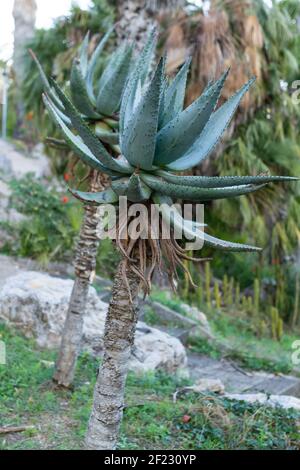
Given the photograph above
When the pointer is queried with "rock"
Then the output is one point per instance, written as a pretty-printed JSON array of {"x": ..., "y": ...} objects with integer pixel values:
[
  {"x": 209, "y": 385},
  {"x": 11, "y": 266},
  {"x": 202, "y": 386},
  {"x": 37, "y": 303},
  {"x": 203, "y": 327},
  {"x": 283, "y": 401},
  {"x": 20, "y": 165},
  {"x": 5, "y": 165},
  {"x": 169, "y": 315},
  {"x": 155, "y": 349},
  {"x": 196, "y": 314}
]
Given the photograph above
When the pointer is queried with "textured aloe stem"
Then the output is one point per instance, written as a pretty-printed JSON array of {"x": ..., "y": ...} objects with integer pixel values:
[
  {"x": 85, "y": 263},
  {"x": 119, "y": 334}
]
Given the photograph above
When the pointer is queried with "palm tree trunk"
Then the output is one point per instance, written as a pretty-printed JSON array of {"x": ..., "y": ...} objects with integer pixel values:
[
  {"x": 119, "y": 334},
  {"x": 137, "y": 18},
  {"x": 24, "y": 13},
  {"x": 85, "y": 264}
]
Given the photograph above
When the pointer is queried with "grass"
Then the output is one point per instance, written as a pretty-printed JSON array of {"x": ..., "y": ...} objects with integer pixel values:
[
  {"x": 251, "y": 351},
  {"x": 151, "y": 419},
  {"x": 236, "y": 330}
]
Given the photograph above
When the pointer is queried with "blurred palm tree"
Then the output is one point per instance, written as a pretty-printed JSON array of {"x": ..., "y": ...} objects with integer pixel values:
[
  {"x": 24, "y": 13},
  {"x": 137, "y": 17}
]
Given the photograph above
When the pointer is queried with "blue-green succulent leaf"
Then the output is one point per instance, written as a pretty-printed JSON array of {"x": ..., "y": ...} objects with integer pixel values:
[
  {"x": 137, "y": 79},
  {"x": 63, "y": 116},
  {"x": 179, "y": 135},
  {"x": 222, "y": 181},
  {"x": 75, "y": 142},
  {"x": 115, "y": 59},
  {"x": 104, "y": 197},
  {"x": 174, "y": 96},
  {"x": 190, "y": 231},
  {"x": 120, "y": 185},
  {"x": 162, "y": 101},
  {"x": 92, "y": 65},
  {"x": 112, "y": 83},
  {"x": 134, "y": 188},
  {"x": 137, "y": 190},
  {"x": 46, "y": 85},
  {"x": 228, "y": 246},
  {"x": 196, "y": 194},
  {"x": 79, "y": 93},
  {"x": 108, "y": 137},
  {"x": 138, "y": 142},
  {"x": 83, "y": 54},
  {"x": 190, "y": 224},
  {"x": 212, "y": 132},
  {"x": 89, "y": 138}
]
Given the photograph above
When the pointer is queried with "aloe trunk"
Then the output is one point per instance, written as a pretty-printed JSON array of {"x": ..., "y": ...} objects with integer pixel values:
[
  {"x": 85, "y": 263},
  {"x": 119, "y": 334}
]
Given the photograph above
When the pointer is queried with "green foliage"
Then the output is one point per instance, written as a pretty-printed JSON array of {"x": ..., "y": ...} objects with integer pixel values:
[
  {"x": 207, "y": 285},
  {"x": 144, "y": 145},
  {"x": 276, "y": 324},
  {"x": 199, "y": 292},
  {"x": 52, "y": 220},
  {"x": 268, "y": 141},
  {"x": 108, "y": 259},
  {"x": 151, "y": 419},
  {"x": 217, "y": 296},
  {"x": 237, "y": 295},
  {"x": 249, "y": 344}
]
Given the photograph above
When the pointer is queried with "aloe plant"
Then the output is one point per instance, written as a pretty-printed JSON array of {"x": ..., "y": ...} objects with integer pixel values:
[
  {"x": 98, "y": 101},
  {"x": 157, "y": 137}
]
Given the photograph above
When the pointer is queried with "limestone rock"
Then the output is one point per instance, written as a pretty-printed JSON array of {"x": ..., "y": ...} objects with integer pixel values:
[
  {"x": 209, "y": 385},
  {"x": 202, "y": 386},
  {"x": 283, "y": 401},
  {"x": 200, "y": 318},
  {"x": 37, "y": 303},
  {"x": 17, "y": 165}
]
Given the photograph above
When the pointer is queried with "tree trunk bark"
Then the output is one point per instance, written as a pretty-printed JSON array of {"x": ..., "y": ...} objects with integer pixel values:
[
  {"x": 136, "y": 18},
  {"x": 24, "y": 13},
  {"x": 85, "y": 264},
  {"x": 119, "y": 334}
]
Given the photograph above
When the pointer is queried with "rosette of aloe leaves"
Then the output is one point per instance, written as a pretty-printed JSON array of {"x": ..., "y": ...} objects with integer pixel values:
[
  {"x": 95, "y": 93},
  {"x": 158, "y": 138}
]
